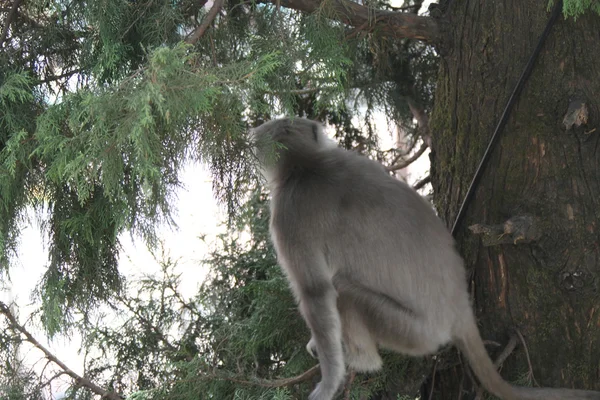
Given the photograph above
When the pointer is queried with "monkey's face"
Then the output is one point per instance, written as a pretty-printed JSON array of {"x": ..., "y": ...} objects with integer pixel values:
[
  {"x": 288, "y": 142},
  {"x": 264, "y": 146}
]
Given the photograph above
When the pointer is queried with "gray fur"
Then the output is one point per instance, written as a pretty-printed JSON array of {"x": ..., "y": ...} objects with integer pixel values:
[{"x": 369, "y": 262}]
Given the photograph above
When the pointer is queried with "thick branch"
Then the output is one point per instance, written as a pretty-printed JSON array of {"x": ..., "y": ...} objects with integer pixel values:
[
  {"x": 9, "y": 18},
  {"x": 80, "y": 380},
  {"x": 210, "y": 17},
  {"x": 389, "y": 23}
]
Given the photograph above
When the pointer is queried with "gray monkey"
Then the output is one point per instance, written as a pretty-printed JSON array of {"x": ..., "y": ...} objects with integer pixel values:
[{"x": 369, "y": 262}]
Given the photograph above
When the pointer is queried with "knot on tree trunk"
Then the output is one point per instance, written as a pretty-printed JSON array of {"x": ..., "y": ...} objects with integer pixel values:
[{"x": 515, "y": 230}]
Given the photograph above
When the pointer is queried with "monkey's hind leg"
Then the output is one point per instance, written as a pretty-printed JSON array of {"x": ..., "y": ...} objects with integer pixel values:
[
  {"x": 321, "y": 315},
  {"x": 391, "y": 323},
  {"x": 360, "y": 348}
]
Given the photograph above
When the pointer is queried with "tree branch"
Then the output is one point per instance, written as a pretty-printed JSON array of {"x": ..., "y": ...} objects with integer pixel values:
[
  {"x": 53, "y": 78},
  {"x": 389, "y": 23},
  {"x": 405, "y": 163},
  {"x": 9, "y": 18},
  {"x": 210, "y": 17},
  {"x": 308, "y": 374},
  {"x": 422, "y": 182},
  {"x": 80, "y": 380}
]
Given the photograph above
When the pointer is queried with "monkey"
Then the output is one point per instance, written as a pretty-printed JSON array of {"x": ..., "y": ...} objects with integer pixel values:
[{"x": 370, "y": 263}]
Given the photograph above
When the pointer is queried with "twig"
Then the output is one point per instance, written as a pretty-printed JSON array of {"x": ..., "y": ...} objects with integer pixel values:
[
  {"x": 210, "y": 16},
  {"x": 410, "y": 160},
  {"x": 297, "y": 91},
  {"x": 148, "y": 324},
  {"x": 522, "y": 339},
  {"x": 462, "y": 378},
  {"x": 80, "y": 380},
  {"x": 9, "y": 19},
  {"x": 349, "y": 384},
  {"x": 422, "y": 182},
  {"x": 433, "y": 379},
  {"x": 508, "y": 349}
]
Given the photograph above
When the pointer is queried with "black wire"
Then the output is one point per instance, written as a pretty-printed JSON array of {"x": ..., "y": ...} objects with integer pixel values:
[{"x": 509, "y": 105}]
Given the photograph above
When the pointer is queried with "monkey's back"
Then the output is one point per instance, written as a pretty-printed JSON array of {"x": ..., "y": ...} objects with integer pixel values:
[{"x": 374, "y": 227}]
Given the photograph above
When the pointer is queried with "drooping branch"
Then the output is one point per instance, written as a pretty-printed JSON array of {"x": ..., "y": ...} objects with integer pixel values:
[
  {"x": 389, "y": 23},
  {"x": 80, "y": 380},
  {"x": 208, "y": 19}
]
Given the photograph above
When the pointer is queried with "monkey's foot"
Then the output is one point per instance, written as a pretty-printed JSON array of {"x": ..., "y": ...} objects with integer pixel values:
[
  {"x": 322, "y": 392},
  {"x": 364, "y": 361}
]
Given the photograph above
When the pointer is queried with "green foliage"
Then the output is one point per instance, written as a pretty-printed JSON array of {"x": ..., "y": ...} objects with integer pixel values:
[
  {"x": 576, "y": 8},
  {"x": 103, "y": 102},
  {"x": 17, "y": 107}
]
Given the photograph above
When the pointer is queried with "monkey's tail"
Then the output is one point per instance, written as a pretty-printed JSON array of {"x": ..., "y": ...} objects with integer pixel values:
[{"x": 471, "y": 344}]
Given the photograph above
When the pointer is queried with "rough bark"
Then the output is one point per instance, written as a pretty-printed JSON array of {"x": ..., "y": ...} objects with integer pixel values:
[{"x": 547, "y": 288}]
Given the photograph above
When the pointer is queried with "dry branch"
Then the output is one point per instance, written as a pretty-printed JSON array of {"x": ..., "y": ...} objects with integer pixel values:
[
  {"x": 79, "y": 380},
  {"x": 389, "y": 23}
]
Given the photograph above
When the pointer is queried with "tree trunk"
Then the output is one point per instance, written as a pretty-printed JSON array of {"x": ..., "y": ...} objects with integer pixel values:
[{"x": 547, "y": 288}]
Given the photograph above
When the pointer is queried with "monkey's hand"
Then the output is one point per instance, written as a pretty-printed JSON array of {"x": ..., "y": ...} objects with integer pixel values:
[{"x": 311, "y": 347}]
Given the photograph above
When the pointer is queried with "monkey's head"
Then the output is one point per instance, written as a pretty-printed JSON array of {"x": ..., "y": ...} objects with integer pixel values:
[{"x": 286, "y": 142}]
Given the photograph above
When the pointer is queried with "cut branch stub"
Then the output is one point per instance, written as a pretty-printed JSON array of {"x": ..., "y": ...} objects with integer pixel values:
[
  {"x": 516, "y": 230},
  {"x": 576, "y": 115}
]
